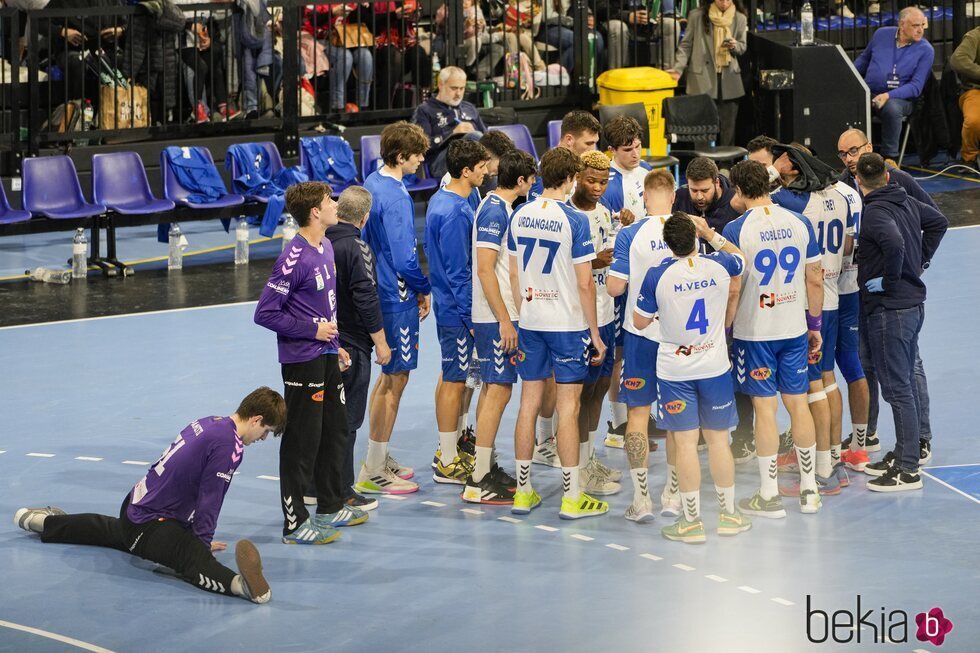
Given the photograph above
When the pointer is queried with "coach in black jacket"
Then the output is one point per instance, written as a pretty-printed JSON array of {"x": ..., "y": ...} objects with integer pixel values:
[
  {"x": 358, "y": 316},
  {"x": 896, "y": 241}
]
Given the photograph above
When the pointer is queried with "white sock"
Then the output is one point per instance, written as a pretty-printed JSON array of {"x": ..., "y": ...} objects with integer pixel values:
[
  {"x": 591, "y": 443},
  {"x": 618, "y": 413},
  {"x": 482, "y": 467},
  {"x": 570, "y": 482},
  {"x": 238, "y": 587},
  {"x": 726, "y": 498},
  {"x": 824, "y": 466},
  {"x": 543, "y": 429},
  {"x": 641, "y": 490},
  {"x": 447, "y": 446},
  {"x": 671, "y": 486},
  {"x": 377, "y": 453},
  {"x": 692, "y": 505},
  {"x": 806, "y": 456},
  {"x": 859, "y": 436},
  {"x": 834, "y": 455},
  {"x": 523, "y": 475},
  {"x": 583, "y": 454},
  {"x": 767, "y": 474}
]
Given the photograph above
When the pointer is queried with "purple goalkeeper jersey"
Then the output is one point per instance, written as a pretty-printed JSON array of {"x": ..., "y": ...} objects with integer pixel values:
[
  {"x": 189, "y": 481},
  {"x": 301, "y": 292}
]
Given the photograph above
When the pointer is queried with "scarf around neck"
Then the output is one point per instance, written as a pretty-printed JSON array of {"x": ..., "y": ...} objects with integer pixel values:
[{"x": 721, "y": 22}]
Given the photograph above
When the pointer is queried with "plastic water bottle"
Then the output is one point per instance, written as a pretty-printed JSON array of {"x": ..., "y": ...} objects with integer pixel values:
[
  {"x": 88, "y": 115},
  {"x": 473, "y": 378},
  {"x": 289, "y": 229},
  {"x": 241, "y": 243},
  {"x": 49, "y": 275},
  {"x": 79, "y": 255},
  {"x": 592, "y": 58},
  {"x": 436, "y": 68},
  {"x": 175, "y": 256},
  {"x": 806, "y": 24}
]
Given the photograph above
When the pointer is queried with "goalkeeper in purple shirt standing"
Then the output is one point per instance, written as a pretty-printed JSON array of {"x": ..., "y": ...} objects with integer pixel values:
[{"x": 169, "y": 516}]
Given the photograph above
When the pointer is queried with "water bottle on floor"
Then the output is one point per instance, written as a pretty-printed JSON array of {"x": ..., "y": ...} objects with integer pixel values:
[
  {"x": 79, "y": 255},
  {"x": 289, "y": 229},
  {"x": 241, "y": 242},
  {"x": 175, "y": 256},
  {"x": 806, "y": 24},
  {"x": 48, "y": 275}
]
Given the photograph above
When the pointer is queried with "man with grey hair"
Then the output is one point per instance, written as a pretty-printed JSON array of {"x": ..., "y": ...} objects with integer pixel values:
[
  {"x": 446, "y": 117},
  {"x": 358, "y": 318},
  {"x": 896, "y": 65}
]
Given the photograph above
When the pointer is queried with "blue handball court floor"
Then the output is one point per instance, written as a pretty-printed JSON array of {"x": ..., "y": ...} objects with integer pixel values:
[{"x": 86, "y": 405}]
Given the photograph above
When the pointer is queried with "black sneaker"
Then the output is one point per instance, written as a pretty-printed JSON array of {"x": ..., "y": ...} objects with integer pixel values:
[
  {"x": 895, "y": 480},
  {"x": 743, "y": 451},
  {"x": 925, "y": 451},
  {"x": 491, "y": 489},
  {"x": 467, "y": 442},
  {"x": 615, "y": 430},
  {"x": 505, "y": 479},
  {"x": 881, "y": 467},
  {"x": 362, "y": 502},
  {"x": 871, "y": 442}
]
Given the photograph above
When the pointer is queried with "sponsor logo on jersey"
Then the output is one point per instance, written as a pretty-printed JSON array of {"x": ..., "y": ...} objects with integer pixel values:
[
  {"x": 197, "y": 428},
  {"x": 281, "y": 287},
  {"x": 541, "y": 295},
  {"x": 761, "y": 373},
  {"x": 224, "y": 476},
  {"x": 314, "y": 385},
  {"x": 634, "y": 383},
  {"x": 294, "y": 384},
  {"x": 722, "y": 407},
  {"x": 520, "y": 355},
  {"x": 687, "y": 350},
  {"x": 769, "y": 300},
  {"x": 675, "y": 407},
  {"x": 317, "y": 396}
]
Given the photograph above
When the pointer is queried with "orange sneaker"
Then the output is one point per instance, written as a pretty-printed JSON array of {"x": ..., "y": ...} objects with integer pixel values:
[{"x": 855, "y": 459}]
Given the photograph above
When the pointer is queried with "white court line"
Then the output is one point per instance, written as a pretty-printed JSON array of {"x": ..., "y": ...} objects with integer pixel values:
[
  {"x": 471, "y": 511},
  {"x": 56, "y": 637},
  {"x": 650, "y": 556},
  {"x": 434, "y": 504},
  {"x": 920, "y": 650},
  {"x": 750, "y": 590},
  {"x": 781, "y": 601},
  {"x": 112, "y": 317},
  {"x": 549, "y": 529},
  {"x": 957, "y": 491},
  {"x": 683, "y": 567},
  {"x": 949, "y": 466},
  {"x": 3, "y": 451},
  {"x": 509, "y": 520},
  {"x": 88, "y": 458},
  {"x": 268, "y": 478},
  {"x": 135, "y": 462},
  {"x": 617, "y": 547},
  {"x": 584, "y": 538},
  {"x": 717, "y": 579},
  {"x": 965, "y": 226},
  {"x": 41, "y": 455},
  {"x": 394, "y": 497}
]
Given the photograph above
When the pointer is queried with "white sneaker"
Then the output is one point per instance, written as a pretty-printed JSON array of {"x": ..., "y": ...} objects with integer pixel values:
[
  {"x": 670, "y": 504},
  {"x": 613, "y": 474},
  {"x": 845, "y": 11},
  {"x": 596, "y": 482},
  {"x": 615, "y": 441},
  {"x": 382, "y": 481},
  {"x": 809, "y": 502},
  {"x": 874, "y": 7},
  {"x": 546, "y": 453},
  {"x": 399, "y": 470},
  {"x": 640, "y": 511}
]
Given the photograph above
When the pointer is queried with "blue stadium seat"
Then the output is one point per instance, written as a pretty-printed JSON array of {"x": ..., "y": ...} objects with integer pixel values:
[
  {"x": 521, "y": 136},
  {"x": 554, "y": 133},
  {"x": 119, "y": 181},
  {"x": 275, "y": 165},
  {"x": 51, "y": 189},
  {"x": 173, "y": 190},
  {"x": 8, "y": 214},
  {"x": 371, "y": 161}
]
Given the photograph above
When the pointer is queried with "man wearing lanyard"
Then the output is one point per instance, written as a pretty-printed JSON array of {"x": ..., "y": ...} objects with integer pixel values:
[{"x": 896, "y": 65}]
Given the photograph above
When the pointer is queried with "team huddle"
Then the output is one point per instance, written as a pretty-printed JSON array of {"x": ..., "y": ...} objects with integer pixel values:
[{"x": 578, "y": 276}]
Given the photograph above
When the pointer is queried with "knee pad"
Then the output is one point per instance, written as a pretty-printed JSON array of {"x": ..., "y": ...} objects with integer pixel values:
[
  {"x": 850, "y": 366},
  {"x": 829, "y": 388},
  {"x": 814, "y": 397}
]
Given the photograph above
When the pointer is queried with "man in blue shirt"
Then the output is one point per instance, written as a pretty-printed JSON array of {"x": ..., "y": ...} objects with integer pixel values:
[
  {"x": 170, "y": 515},
  {"x": 446, "y": 117},
  {"x": 448, "y": 235},
  {"x": 896, "y": 64}
]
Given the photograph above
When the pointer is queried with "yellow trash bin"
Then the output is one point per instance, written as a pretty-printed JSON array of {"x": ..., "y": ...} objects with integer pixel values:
[{"x": 643, "y": 84}]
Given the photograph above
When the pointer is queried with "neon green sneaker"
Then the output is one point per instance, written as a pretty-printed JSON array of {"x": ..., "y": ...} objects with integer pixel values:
[
  {"x": 525, "y": 502},
  {"x": 584, "y": 506},
  {"x": 688, "y": 532},
  {"x": 733, "y": 523}
]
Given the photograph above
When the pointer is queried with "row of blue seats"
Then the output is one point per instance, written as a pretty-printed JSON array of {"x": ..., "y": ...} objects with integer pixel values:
[
  {"x": 870, "y": 20},
  {"x": 51, "y": 188}
]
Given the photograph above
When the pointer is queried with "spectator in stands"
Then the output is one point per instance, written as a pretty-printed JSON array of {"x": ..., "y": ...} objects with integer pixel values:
[
  {"x": 966, "y": 63},
  {"x": 895, "y": 65},
  {"x": 348, "y": 43},
  {"x": 482, "y": 55},
  {"x": 447, "y": 116},
  {"x": 558, "y": 26},
  {"x": 522, "y": 20},
  {"x": 257, "y": 59},
  {"x": 399, "y": 57},
  {"x": 715, "y": 37},
  {"x": 760, "y": 149},
  {"x": 204, "y": 56},
  {"x": 630, "y": 22}
]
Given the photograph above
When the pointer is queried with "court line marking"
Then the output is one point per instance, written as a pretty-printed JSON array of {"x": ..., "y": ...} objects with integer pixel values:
[
  {"x": 268, "y": 478},
  {"x": 55, "y": 636},
  {"x": 750, "y": 590},
  {"x": 781, "y": 601},
  {"x": 135, "y": 462},
  {"x": 509, "y": 520},
  {"x": 956, "y": 490},
  {"x": 112, "y": 317},
  {"x": 584, "y": 538},
  {"x": 683, "y": 567},
  {"x": 41, "y": 455},
  {"x": 394, "y": 497},
  {"x": 617, "y": 547},
  {"x": 549, "y": 529},
  {"x": 650, "y": 556},
  {"x": 434, "y": 504},
  {"x": 3, "y": 451},
  {"x": 951, "y": 466},
  {"x": 471, "y": 511},
  {"x": 89, "y": 458},
  {"x": 717, "y": 579},
  {"x": 964, "y": 226}
]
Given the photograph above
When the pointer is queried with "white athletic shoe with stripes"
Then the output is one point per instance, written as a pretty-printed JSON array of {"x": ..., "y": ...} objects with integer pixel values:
[
  {"x": 309, "y": 532},
  {"x": 382, "y": 481}
]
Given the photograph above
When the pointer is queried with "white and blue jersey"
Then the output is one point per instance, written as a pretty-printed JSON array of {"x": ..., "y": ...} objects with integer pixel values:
[
  {"x": 549, "y": 238},
  {"x": 848, "y": 281},
  {"x": 473, "y": 198},
  {"x": 625, "y": 189},
  {"x": 639, "y": 247},
  {"x": 830, "y": 216},
  {"x": 390, "y": 233}
]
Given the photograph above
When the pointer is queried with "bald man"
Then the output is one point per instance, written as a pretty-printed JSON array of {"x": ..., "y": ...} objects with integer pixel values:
[{"x": 896, "y": 64}]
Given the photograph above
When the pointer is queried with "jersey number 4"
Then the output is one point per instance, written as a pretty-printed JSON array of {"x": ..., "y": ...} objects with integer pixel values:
[
  {"x": 698, "y": 319},
  {"x": 529, "y": 244}
]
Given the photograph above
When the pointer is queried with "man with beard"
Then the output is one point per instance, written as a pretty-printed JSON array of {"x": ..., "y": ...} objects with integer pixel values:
[{"x": 447, "y": 116}]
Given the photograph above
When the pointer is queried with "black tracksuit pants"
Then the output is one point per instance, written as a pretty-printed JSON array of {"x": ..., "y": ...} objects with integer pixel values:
[
  {"x": 314, "y": 443},
  {"x": 166, "y": 543},
  {"x": 357, "y": 387}
]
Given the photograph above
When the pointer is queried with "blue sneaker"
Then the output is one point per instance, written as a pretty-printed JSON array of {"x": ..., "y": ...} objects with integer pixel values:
[
  {"x": 310, "y": 532},
  {"x": 346, "y": 516}
]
